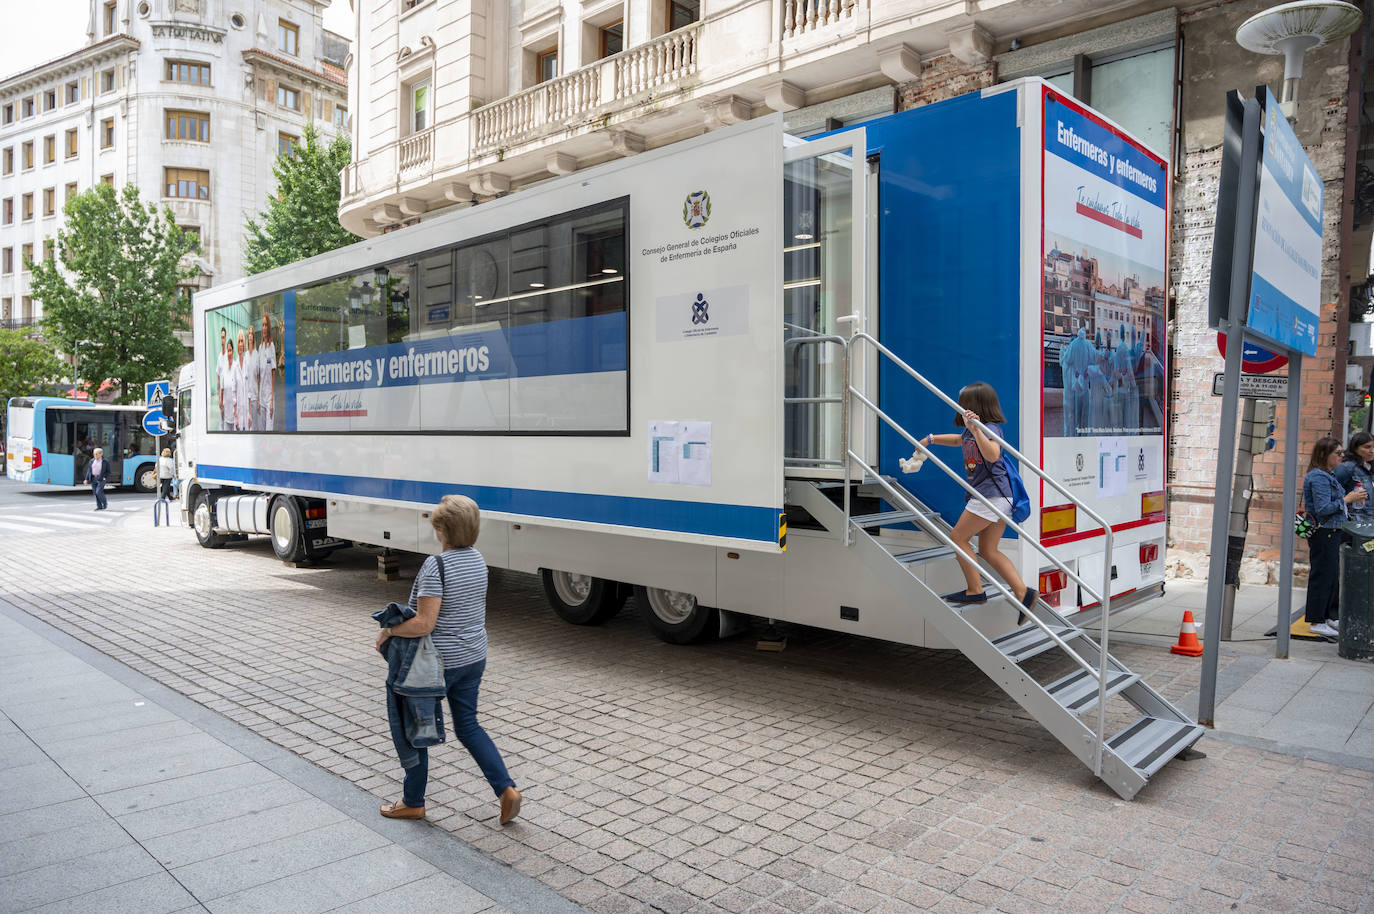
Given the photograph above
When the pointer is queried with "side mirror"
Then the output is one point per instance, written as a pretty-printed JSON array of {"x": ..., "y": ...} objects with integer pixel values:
[{"x": 169, "y": 413}]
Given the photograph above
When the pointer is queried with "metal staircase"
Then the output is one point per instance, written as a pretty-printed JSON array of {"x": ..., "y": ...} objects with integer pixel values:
[{"x": 1124, "y": 761}]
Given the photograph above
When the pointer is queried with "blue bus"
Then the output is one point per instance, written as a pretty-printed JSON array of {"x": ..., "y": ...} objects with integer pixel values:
[{"x": 49, "y": 440}]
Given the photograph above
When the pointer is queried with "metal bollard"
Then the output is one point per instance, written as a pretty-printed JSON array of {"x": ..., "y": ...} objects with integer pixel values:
[{"x": 166, "y": 508}]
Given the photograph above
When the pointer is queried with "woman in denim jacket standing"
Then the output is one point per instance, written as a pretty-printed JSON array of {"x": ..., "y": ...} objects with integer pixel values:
[
  {"x": 1358, "y": 470},
  {"x": 1327, "y": 503}
]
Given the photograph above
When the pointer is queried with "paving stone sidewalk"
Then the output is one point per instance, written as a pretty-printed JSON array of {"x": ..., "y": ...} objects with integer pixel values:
[
  {"x": 113, "y": 801},
  {"x": 841, "y": 775}
]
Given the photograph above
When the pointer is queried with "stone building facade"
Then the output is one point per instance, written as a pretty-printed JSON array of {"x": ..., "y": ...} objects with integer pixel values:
[
  {"x": 462, "y": 100},
  {"x": 191, "y": 100}
]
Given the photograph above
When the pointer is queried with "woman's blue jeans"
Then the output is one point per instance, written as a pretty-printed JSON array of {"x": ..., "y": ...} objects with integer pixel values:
[{"x": 462, "y": 683}]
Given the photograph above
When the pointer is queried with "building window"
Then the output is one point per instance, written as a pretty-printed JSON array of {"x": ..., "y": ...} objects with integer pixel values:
[
  {"x": 612, "y": 38},
  {"x": 289, "y": 98},
  {"x": 107, "y": 179},
  {"x": 193, "y": 232},
  {"x": 188, "y": 71},
  {"x": 49, "y": 99},
  {"x": 8, "y": 207},
  {"x": 26, "y": 257},
  {"x": 188, "y": 125},
  {"x": 340, "y": 116},
  {"x": 288, "y": 38},
  {"x": 27, "y": 154},
  {"x": 49, "y": 201},
  {"x": 73, "y": 92},
  {"x": 8, "y": 114},
  {"x": 682, "y": 13},
  {"x": 286, "y": 144},
  {"x": 546, "y": 65},
  {"x": 72, "y": 143},
  {"x": 71, "y": 191},
  {"x": 26, "y": 207},
  {"x": 49, "y": 149},
  {"x": 9, "y": 160},
  {"x": 421, "y": 104},
  {"x": 110, "y": 18},
  {"x": 193, "y": 183},
  {"x": 48, "y": 249},
  {"x": 107, "y": 80},
  {"x": 28, "y": 106},
  {"x": 7, "y": 266},
  {"x": 107, "y": 133},
  {"x": 28, "y": 308}
]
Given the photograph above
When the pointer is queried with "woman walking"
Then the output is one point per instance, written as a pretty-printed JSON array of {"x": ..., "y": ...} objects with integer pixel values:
[
  {"x": 449, "y": 597},
  {"x": 987, "y": 475},
  {"x": 1327, "y": 503},
  {"x": 1357, "y": 471}
]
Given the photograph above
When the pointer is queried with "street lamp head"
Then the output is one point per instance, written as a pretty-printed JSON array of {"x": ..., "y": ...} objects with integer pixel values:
[{"x": 1293, "y": 29}]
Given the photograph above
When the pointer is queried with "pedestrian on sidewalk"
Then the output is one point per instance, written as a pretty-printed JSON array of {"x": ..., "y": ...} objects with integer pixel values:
[
  {"x": 451, "y": 607},
  {"x": 166, "y": 471},
  {"x": 97, "y": 474},
  {"x": 1357, "y": 470},
  {"x": 1328, "y": 504},
  {"x": 985, "y": 472}
]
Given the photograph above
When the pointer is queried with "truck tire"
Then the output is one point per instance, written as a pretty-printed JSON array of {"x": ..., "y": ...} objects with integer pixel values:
[
  {"x": 287, "y": 527},
  {"x": 202, "y": 521},
  {"x": 145, "y": 478},
  {"x": 676, "y": 617},
  {"x": 580, "y": 598}
]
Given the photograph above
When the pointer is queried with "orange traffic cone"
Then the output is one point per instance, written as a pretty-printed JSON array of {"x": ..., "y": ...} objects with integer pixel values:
[{"x": 1188, "y": 645}]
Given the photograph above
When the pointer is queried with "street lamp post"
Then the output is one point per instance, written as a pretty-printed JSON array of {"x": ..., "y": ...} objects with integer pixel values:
[{"x": 76, "y": 361}]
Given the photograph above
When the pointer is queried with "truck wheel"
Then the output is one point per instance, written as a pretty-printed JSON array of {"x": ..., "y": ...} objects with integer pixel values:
[
  {"x": 288, "y": 529},
  {"x": 202, "y": 522},
  {"x": 145, "y": 479},
  {"x": 677, "y": 617},
  {"x": 580, "y": 598}
]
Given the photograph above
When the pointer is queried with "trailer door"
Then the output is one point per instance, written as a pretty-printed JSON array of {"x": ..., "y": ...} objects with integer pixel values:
[{"x": 823, "y": 245}]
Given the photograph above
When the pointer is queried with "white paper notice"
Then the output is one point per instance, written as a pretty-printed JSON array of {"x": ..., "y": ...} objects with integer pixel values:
[
  {"x": 695, "y": 441},
  {"x": 663, "y": 452},
  {"x": 1111, "y": 467}
]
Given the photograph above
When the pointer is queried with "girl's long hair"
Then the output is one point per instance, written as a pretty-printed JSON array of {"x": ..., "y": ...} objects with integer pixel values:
[
  {"x": 982, "y": 399},
  {"x": 1322, "y": 450},
  {"x": 1357, "y": 441}
]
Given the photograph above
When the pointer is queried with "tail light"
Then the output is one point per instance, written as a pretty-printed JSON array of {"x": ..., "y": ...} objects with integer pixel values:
[
  {"x": 1148, "y": 552},
  {"x": 1051, "y": 584},
  {"x": 37, "y": 459}
]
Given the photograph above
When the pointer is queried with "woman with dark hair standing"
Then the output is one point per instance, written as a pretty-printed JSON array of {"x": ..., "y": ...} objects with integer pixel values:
[
  {"x": 1327, "y": 503},
  {"x": 1358, "y": 471}
]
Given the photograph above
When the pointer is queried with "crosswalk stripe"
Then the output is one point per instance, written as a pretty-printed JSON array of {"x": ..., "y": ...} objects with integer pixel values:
[{"x": 65, "y": 522}]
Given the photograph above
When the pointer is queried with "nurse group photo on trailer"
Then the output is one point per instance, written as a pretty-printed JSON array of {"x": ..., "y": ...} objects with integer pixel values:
[{"x": 247, "y": 390}]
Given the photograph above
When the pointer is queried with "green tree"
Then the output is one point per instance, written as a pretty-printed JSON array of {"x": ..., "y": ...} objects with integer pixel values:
[
  {"x": 302, "y": 218},
  {"x": 113, "y": 288},
  {"x": 27, "y": 365}
]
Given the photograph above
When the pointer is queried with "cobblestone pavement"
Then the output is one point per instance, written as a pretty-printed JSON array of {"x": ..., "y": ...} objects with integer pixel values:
[{"x": 841, "y": 775}]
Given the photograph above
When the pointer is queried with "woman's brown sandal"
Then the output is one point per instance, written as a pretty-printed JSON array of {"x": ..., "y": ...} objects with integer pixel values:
[
  {"x": 399, "y": 810},
  {"x": 510, "y": 804}
]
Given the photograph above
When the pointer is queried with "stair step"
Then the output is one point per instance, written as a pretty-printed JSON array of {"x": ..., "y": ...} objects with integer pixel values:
[
  {"x": 1028, "y": 640},
  {"x": 1078, "y": 691},
  {"x": 1149, "y": 743},
  {"x": 928, "y": 554},
  {"x": 887, "y": 518}
]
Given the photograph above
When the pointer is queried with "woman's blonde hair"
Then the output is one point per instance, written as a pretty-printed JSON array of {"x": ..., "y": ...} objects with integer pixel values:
[
  {"x": 456, "y": 521},
  {"x": 166, "y": 452}
]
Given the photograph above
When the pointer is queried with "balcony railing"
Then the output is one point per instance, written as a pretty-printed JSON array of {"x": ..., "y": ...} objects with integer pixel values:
[
  {"x": 417, "y": 150},
  {"x": 802, "y": 16},
  {"x": 18, "y": 323},
  {"x": 553, "y": 104}
]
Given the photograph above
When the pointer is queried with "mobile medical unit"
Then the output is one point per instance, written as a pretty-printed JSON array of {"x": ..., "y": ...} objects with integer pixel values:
[{"x": 691, "y": 375}]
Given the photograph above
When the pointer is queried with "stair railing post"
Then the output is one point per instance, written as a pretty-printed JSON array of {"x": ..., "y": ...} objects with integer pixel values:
[
  {"x": 1102, "y": 653},
  {"x": 844, "y": 438}
]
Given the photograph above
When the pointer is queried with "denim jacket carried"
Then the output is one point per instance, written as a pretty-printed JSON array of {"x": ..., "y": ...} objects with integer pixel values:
[
  {"x": 415, "y": 688},
  {"x": 1324, "y": 498},
  {"x": 1348, "y": 474}
]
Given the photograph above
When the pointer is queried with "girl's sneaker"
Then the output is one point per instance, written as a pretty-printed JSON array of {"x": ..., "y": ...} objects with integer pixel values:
[{"x": 1323, "y": 629}]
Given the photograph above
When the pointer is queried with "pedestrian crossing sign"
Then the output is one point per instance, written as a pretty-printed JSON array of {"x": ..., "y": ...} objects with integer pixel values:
[{"x": 154, "y": 391}]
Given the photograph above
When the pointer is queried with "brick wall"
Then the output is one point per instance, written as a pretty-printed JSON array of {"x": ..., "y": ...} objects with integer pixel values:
[{"x": 944, "y": 77}]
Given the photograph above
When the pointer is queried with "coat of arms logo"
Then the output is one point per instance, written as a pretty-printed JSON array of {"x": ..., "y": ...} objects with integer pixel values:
[{"x": 696, "y": 209}]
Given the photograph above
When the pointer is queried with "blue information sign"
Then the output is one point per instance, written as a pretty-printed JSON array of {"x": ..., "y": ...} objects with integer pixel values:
[
  {"x": 1285, "y": 285},
  {"x": 152, "y": 422}
]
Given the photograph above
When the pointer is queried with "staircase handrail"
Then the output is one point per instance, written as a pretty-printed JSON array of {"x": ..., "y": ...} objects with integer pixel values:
[{"x": 1104, "y": 597}]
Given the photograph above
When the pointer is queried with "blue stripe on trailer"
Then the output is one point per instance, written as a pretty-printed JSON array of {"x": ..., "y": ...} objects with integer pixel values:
[{"x": 745, "y": 522}]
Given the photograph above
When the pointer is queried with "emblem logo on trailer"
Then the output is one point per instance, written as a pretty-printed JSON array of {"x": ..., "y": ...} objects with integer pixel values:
[
  {"x": 699, "y": 315},
  {"x": 696, "y": 209},
  {"x": 1078, "y": 462}
]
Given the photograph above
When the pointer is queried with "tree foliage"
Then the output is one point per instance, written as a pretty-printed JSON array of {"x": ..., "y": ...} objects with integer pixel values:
[
  {"x": 112, "y": 289},
  {"x": 27, "y": 365},
  {"x": 302, "y": 218}
]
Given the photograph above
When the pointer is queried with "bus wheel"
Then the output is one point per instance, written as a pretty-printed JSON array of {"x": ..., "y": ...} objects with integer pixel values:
[
  {"x": 145, "y": 480},
  {"x": 677, "y": 617},
  {"x": 203, "y": 523},
  {"x": 288, "y": 529},
  {"x": 580, "y": 598}
]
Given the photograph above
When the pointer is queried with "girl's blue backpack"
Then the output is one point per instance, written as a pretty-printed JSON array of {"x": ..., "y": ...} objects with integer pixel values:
[{"x": 1020, "y": 499}]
